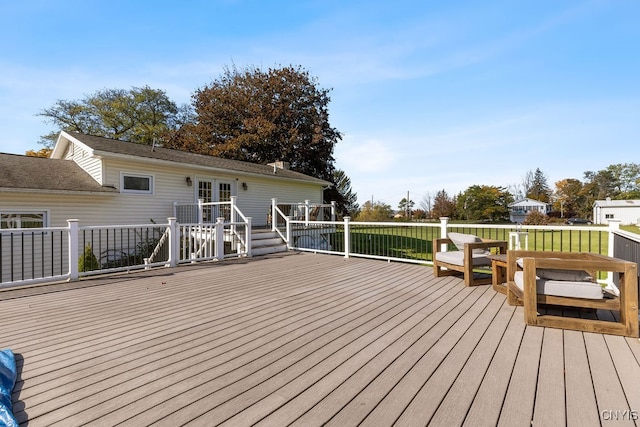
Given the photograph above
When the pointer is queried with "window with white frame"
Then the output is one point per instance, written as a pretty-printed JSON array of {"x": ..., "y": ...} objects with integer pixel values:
[
  {"x": 23, "y": 219},
  {"x": 135, "y": 183},
  {"x": 609, "y": 216}
]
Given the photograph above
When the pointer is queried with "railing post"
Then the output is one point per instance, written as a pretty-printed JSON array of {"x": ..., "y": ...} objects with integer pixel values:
[
  {"x": 73, "y": 249},
  {"x": 444, "y": 221},
  {"x": 200, "y": 213},
  {"x": 174, "y": 241},
  {"x": 248, "y": 236},
  {"x": 232, "y": 215},
  {"x": 274, "y": 203},
  {"x": 234, "y": 201},
  {"x": 219, "y": 231},
  {"x": 347, "y": 237},
  {"x": 306, "y": 212},
  {"x": 614, "y": 225},
  {"x": 288, "y": 231},
  {"x": 333, "y": 211}
]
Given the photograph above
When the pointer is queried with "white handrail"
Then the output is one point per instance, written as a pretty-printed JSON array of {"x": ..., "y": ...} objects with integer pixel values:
[{"x": 156, "y": 250}]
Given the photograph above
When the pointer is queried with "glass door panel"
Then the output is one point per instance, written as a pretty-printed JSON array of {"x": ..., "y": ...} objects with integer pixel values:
[
  {"x": 205, "y": 193},
  {"x": 224, "y": 195}
]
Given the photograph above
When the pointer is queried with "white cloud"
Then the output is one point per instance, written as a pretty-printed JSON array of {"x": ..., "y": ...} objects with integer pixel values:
[{"x": 367, "y": 156}]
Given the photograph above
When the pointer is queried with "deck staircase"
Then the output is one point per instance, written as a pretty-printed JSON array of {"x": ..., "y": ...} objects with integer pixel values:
[{"x": 264, "y": 241}]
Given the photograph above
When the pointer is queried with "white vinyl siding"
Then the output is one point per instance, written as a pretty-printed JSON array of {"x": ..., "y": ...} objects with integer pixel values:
[
  {"x": 256, "y": 200},
  {"x": 89, "y": 209},
  {"x": 170, "y": 186},
  {"x": 84, "y": 159}
]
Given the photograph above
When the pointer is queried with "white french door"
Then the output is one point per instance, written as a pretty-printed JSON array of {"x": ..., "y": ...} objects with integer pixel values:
[
  {"x": 211, "y": 190},
  {"x": 224, "y": 195}
]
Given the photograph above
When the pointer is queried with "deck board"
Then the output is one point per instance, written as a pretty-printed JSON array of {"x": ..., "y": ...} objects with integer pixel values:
[
  {"x": 487, "y": 403},
  {"x": 550, "y": 405},
  {"x": 460, "y": 396},
  {"x": 396, "y": 402},
  {"x": 627, "y": 367},
  {"x": 580, "y": 401},
  {"x": 302, "y": 339},
  {"x": 609, "y": 394}
]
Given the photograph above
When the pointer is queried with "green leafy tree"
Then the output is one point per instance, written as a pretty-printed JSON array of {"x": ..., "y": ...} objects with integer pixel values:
[
  {"x": 342, "y": 193},
  {"x": 600, "y": 185},
  {"x": 569, "y": 197},
  {"x": 261, "y": 116},
  {"x": 484, "y": 203},
  {"x": 142, "y": 115},
  {"x": 619, "y": 181},
  {"x": 376, "y": 211},
  {"x": 537, "y": 187},
  {"x": 88, "y": 260},
  {"x": 629, "y": 179},
  {"x": 405, "y": 207}
]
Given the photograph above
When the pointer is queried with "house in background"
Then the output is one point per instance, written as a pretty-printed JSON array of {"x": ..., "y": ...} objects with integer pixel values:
[
  {"x": 101, "y": 181},
  {"x": 519, "y": 209},
  {"x": 627, "y": 211}
]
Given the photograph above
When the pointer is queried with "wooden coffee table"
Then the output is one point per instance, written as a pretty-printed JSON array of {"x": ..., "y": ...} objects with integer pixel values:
[{"x": 499, "y": 272}]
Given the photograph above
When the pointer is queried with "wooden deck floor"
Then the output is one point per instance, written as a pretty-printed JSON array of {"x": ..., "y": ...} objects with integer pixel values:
[{"x": 304, "y": 339}]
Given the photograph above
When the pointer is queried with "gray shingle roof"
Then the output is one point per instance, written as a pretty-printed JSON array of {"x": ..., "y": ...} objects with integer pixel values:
[
  {"x": 106, "y": 145},
  {"x": 37, "y": 173}
]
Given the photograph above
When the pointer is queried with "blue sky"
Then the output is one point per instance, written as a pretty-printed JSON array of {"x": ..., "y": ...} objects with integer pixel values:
[{"x": 429, "y": 95}]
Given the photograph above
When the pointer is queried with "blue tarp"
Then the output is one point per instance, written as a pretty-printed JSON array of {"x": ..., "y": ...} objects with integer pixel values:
[{"x": 8, "y": 374}]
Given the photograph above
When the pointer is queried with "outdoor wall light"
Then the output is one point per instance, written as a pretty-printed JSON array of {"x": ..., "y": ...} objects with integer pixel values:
[
  {"x": 189, "y": 182},
  {"x": 244, "y": 186}
]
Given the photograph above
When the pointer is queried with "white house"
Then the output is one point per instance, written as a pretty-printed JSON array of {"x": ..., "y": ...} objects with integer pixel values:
[
  {"x": 627, "y": 211},
  {"x": 519, "y": 209},
  {"x": 102, "y": 181}
]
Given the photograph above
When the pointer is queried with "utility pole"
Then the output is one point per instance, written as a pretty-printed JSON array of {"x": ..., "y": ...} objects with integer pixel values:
[{"x": 406, "y": 207}]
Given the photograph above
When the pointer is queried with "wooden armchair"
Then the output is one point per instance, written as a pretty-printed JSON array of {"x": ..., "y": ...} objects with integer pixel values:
[
  {"x": 472, "y": 252},
  {"x": 561, "y": 279}
]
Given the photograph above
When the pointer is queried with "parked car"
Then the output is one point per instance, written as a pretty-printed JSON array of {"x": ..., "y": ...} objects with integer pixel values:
[{"x": 574, "y": 221}]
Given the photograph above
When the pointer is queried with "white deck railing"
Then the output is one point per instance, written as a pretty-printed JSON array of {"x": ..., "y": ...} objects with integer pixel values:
[
  {"x": 31, "y": 256},
  {"x": 412, "y": 242}
]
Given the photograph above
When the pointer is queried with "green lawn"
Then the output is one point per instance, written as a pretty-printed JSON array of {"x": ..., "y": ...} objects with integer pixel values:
[{"x": 416, "y": 242}]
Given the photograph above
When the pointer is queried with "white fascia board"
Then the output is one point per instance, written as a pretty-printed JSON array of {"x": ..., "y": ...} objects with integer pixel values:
[
  {"x": 64, "y": 139},
  {"x": 69, "y": 192}
]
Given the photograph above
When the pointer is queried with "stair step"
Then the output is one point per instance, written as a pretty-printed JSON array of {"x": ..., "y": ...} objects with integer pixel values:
[
  {"x": 264, "y": 250},
  {"x": 264, "y": 234},
  {"x": 265, "y": 242}
]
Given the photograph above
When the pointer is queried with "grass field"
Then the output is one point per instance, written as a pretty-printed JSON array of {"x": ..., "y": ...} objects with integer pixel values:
[{"x": 415, "y": 242}]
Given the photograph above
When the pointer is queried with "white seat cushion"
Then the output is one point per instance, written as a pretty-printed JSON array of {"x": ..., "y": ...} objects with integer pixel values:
[
  {"x": 459, "y": 239},
  {"x": 457, "y": 258},
  {"x": 563, "y": 288},
  {"x": 562, "y": 275}
]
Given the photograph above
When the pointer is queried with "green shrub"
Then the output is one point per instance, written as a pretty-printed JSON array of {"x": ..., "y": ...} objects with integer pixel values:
[{"x": 88, "y": 260}]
